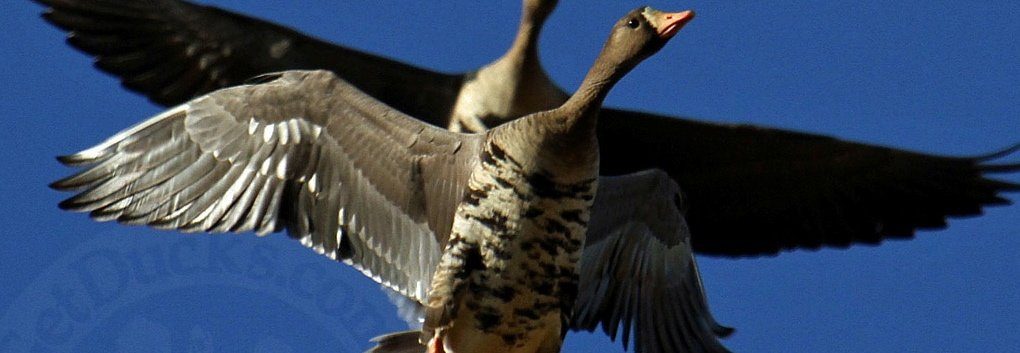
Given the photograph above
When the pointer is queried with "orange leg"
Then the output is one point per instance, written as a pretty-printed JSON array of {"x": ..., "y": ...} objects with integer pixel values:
[{"x": 436, "y": 345}]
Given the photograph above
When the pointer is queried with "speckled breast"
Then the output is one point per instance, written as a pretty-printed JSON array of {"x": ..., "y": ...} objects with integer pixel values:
[{"x": 519, "y": 234}]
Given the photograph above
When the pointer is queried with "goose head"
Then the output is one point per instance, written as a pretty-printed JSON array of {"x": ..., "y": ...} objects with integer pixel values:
[
  {"x": 641, "y": 33},
  {"x": 635, "y": 37}
]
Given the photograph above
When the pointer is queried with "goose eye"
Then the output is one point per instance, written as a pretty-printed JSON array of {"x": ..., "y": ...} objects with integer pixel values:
[{"x": 633, "y": 23}]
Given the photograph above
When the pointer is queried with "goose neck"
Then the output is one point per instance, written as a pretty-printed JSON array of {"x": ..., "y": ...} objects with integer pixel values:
[{"x": 586, "y": 102}]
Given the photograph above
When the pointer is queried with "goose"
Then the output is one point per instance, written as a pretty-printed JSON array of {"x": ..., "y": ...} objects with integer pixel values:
[
  {"x": 172, "y": 50},
  {"x": 507, "y": 238}
]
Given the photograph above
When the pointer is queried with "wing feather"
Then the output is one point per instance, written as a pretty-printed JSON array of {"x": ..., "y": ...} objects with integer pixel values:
[
  {"x": 306, "y": 152},
  {"x": 638, "y": 272},
  {"x": 174, "y": 50},
  {"x": 756, "y": 191}
]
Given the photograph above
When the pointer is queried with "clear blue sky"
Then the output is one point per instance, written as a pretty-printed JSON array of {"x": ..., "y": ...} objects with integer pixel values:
[{"x": 932, "y": 76}]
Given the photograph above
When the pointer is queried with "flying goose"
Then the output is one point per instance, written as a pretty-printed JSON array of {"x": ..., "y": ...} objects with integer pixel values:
[
  {"x": 822, "y": 191},
  {"x": 488, "y": 231}
]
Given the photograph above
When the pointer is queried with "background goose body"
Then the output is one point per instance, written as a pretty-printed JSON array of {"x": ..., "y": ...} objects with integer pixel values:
[
  {"x": 514, "y": 85},
  {"x": 730, "y": 172}
]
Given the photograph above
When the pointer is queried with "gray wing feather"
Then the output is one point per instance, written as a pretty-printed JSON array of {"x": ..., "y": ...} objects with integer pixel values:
[
  {"x": 638, "y": 271},
  {"x": 349, "y": 177}
]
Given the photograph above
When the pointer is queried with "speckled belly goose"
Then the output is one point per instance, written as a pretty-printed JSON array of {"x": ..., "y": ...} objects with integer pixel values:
[{"x": 490, "y": 231}]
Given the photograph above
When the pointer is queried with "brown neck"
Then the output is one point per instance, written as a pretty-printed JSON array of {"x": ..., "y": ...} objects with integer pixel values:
[{"x": 584, "y": 105}]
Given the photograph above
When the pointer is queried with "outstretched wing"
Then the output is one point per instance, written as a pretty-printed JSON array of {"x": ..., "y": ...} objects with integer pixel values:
[
  {"x": 350, "y": 177},
  {"x": 638, "y": 271},
  {"x": 174, "y": 50},
  {"x": 756, "y": 191}
]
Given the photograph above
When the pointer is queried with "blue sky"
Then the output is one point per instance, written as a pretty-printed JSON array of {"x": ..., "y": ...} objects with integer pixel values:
[{"x": 935, "y": 76}]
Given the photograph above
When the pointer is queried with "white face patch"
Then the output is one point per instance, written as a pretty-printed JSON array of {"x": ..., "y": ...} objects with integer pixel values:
[
  {"x": 652, "y": 16},
  {"x": 649, "y": 14}
]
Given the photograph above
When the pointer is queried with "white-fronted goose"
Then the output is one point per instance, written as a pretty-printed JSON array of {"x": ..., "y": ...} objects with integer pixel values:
[
  {"x": 486, "y": 230},
  {"x": 172, "y": 50}
]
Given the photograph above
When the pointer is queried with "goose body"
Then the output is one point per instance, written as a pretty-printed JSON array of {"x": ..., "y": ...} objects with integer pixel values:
[
  {"x": 509, "y": 276},
  {"x": 488, "y": 99},
  {"x": 515, "y": 246},
  {"x": 488, "y": 232}
]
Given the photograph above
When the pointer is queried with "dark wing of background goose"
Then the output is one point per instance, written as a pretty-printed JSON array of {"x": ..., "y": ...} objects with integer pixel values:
[
  {"x": 755, "y": 191},
  {"x": 764, "y": 190},
  {"x": 172, "y": 51},
  {"x": 347, "y": 176}
]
